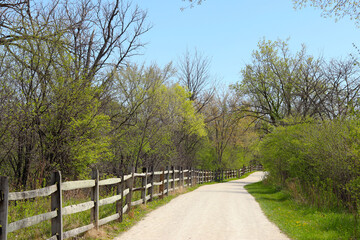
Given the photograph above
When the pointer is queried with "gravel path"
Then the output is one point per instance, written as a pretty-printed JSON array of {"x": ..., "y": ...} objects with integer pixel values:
[{"x": 211, "y": 212}]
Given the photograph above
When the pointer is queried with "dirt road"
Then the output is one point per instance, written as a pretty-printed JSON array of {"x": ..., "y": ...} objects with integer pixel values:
[{"x": 212, "y": 212}]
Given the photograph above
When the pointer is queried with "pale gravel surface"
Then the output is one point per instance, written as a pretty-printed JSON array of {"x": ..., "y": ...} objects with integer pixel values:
[{"x": 211, "y": 212}]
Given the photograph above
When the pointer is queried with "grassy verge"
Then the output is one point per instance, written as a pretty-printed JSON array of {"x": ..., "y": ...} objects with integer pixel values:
[{"x": 301, "y": 221}]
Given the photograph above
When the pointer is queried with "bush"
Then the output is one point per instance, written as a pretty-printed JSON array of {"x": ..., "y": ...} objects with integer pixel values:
[{"x": 317, "y": 161}]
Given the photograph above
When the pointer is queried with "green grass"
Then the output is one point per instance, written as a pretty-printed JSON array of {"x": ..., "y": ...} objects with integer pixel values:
[{"x": 300, "y": 221}]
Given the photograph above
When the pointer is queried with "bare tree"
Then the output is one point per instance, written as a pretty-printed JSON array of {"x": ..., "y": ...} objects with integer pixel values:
[{"x": 194, "y": 74}]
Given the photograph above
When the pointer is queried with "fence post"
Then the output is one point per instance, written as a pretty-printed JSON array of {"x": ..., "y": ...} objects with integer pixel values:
[
  {"x": 173, "y": 178},
  {"x": 95, "y": 198},
  {"x": 56, "y": 204},
  {"x": 129, "y": 184},
  {"x": 191, "y": 176},
  {"x": 162, "y": 186},
  {"x": 198, "y": 180},
  {"x": 120, "y": 191},
  {"x": 4, "y": 204},
  {"x": 144, "y": 183},
  {"x": 182, "y": 177},
  {"x": 167, "y": 180},
  {"x": 152, "y": 183}
]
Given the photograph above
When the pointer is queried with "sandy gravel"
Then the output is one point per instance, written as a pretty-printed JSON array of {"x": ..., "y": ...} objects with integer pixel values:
[{"x": 212, "y": 212}]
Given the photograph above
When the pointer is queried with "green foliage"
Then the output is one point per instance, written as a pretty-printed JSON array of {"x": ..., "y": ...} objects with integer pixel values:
[
  {"x": 154, "y": 117},
  {"x": 317, "y": 161},
  {"x": 93, "y": 145},
  {"x": 301, "y": 221}
]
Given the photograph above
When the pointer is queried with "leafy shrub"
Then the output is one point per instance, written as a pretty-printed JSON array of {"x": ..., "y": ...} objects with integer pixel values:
[{"x": 317, "y": 161}]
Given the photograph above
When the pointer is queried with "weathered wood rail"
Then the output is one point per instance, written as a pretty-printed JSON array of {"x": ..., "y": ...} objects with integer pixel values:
[{"x": 168, "y": 180}]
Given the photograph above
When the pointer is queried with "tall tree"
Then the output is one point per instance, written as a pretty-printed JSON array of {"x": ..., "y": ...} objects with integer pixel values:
[{"x": 194, "y": 74}]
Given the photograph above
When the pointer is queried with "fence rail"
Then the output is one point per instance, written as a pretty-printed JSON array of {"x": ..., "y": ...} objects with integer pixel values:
[{"x": 168, "y": 180}]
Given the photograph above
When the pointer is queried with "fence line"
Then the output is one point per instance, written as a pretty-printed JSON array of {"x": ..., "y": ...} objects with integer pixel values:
[{"x": 168, "y": 180}]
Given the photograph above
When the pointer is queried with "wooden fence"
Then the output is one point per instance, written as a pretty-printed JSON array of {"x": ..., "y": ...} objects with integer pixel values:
[{"x": 168, "y": 180}]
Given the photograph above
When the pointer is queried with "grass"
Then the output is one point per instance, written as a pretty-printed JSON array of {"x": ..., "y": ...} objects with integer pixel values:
[
  {"x": 24, "y": 209},
  {"x": 300, "y": 221}
]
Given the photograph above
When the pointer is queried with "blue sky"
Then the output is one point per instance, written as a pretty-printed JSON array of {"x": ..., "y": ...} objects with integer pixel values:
[{"x": 228, "y": 31}]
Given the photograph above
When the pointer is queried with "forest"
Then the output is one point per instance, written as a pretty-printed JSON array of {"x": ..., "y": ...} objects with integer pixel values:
[{"x": 71, "y": 99}]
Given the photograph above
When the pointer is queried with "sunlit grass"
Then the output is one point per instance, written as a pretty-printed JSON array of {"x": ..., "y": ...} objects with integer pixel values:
[{"x": 301, "y": 221}]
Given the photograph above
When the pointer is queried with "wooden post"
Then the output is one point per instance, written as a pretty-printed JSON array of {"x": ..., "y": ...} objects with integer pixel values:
[
  {"x": 191, "y": 176},
  {"x": 56, "y": 204},
  {"x": 167, "y": 180},
  {"x": 129, "y": 184},
  {"x": 162, "y": 186},
  {"x": 120, "y": 191},
  {"x": 95, "y": 199},
  {"x": 173, "y": 178},
  {"x": 198, "y": 177},
  {"x": 181, "y": 177},
  {"x": 151, "y": 189},
  {"x": 144, "y": 183},
  {"x": 4, "y": 204}
]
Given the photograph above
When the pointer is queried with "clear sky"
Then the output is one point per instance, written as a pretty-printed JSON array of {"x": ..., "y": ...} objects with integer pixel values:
[{"x": 228, "y": 31}]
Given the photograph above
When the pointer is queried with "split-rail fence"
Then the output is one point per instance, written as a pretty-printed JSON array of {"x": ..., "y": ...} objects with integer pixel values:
[{"x": 153, "y": 184}]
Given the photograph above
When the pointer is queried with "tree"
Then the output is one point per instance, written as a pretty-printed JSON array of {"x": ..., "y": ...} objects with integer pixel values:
[
  {"x": 150, "y": 117},
  {"x": 279, "y": 85},
  {"x": 339, "y": 8},
  {"x": 193, "y": 73},
  {"x": 224, "y": 126}
]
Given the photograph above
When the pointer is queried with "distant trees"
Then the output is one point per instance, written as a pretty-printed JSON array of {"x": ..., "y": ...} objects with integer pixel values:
[{"x": 279, "y": 85}]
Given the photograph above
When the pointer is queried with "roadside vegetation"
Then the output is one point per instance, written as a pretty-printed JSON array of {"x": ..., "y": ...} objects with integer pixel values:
[{"x": 302, "y": 221}]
